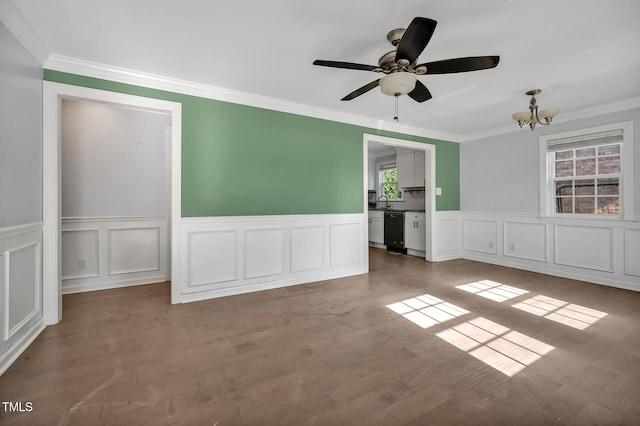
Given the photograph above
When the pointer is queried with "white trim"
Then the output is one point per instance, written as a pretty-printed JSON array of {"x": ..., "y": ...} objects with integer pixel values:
[
  {"x": 245, "y": 269},
  {"x": 26, "y": 228},
  {"x": 155, "y": 81},
  {"x": 22, "y": 30},
  {"x": 9, "y": 332},
  {"x": 430, "y": 188},
  {"x": 72, "y": 219},
  {"x": 16, "y": 338},
  {"x": 52, "y": 95},
  {"x": 546, "y": 262},
  {"x": 545, "y": 184},
  {"x": 12, "y": 354},
  {"x": 83, "y": 287}
]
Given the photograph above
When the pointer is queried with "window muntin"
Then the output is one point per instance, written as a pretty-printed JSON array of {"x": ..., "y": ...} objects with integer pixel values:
[
  {"x": 588, "y": 173},
  {"x": 587, "y": 180}
]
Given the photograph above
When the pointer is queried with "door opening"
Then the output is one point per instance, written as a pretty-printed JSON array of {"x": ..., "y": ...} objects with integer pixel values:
[
  {"x": 53, "y": 96},
  {"x": 115, "y": 197},
  {"x": 373, "y": 144}
]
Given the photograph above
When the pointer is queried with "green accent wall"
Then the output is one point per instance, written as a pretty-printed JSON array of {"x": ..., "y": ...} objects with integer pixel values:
[{"x": 239, "y": 160}]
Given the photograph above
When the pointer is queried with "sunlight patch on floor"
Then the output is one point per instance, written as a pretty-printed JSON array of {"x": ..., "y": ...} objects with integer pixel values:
[
  {"x": 499, "y": 347},
  {"x": 566, "y": 313},
  {"x": 492, "y": 290},
  {"x": 426, "y": 310}
]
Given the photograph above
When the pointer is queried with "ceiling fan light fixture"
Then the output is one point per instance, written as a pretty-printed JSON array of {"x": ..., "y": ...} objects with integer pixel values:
[{"x": 398, "y": 83}]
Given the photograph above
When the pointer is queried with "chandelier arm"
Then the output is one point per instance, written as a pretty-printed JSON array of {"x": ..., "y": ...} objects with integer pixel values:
[{"x": 534, "y": 115}]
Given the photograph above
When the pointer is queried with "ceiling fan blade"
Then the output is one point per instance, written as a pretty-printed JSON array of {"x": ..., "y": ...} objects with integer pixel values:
[
  {"x": 346, "y": 65},
  {"x": 473, "y": 63},
  {"x": 415, "y": 39},
  {"x": 420, "y": 93},
  {"x": 362, "y": 90}
]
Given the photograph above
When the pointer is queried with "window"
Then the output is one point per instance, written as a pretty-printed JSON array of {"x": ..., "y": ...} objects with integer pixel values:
[
  {"x": 388, "y": 182},
  {"x": 585, "y": 172}
]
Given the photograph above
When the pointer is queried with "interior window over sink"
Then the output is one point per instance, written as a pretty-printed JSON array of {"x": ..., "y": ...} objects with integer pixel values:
[{"x": 388, "y": 182}]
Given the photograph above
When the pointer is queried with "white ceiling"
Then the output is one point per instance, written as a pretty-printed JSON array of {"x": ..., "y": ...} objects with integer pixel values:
[{"x": 581, "y": 53}]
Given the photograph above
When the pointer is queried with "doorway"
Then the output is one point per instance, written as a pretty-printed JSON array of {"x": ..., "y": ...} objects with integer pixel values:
[
  {"x": 429, "y": 174},
  {"x": 115, "y": 196},
  {"x": 53, "y": 96}
]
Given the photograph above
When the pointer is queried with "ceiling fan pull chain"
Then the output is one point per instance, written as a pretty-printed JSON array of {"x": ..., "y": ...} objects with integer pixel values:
[{"x": 396, "y": 116}]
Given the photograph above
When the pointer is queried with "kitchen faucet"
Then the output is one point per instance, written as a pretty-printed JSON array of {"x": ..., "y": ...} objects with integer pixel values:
[{"x": 386, "y": 199}]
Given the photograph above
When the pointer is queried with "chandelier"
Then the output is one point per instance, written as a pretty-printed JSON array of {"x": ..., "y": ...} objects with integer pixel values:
[{"x": 534, "y": 116}]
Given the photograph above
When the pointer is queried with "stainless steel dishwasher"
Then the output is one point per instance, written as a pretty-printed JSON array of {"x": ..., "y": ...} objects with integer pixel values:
[{"x": 394, "y": 231}]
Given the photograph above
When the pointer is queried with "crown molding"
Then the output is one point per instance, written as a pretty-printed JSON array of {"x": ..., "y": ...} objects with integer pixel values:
[
  {"x": 20, "y": 28},
  {"x": 617, "y": 106},
  {"x": 159, "y": 82}
]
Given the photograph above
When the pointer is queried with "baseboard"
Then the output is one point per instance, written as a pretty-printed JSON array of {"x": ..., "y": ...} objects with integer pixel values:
[
  {"x": 448, "y": 256},
  {"x": 543, "y": 268},
  {"x": 269, "y": 285},
  {"x": 11, "y": 355},
  {"x": 81, "y": 288}
]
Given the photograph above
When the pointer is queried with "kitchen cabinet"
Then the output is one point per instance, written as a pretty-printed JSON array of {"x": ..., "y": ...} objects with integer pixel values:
[
  {"x": 410, "y": 168},
  {"x": 376, "y": 227},
  {"x": 415, "y": 226}
]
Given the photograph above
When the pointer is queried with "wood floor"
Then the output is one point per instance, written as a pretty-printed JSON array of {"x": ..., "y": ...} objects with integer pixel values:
[{"x": 410, "y": 343}]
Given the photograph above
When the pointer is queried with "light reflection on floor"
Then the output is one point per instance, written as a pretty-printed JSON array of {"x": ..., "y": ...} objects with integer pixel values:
[
  {"x": 566, "y": 313},
  {"x": 492, "y": 290},
  {"x": 426, "y": 310},
  {"x": 499, "y": 347}
]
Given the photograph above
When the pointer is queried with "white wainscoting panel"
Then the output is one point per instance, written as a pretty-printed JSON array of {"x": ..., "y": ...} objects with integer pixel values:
[
  {"x": 134, "y": 250},
  {"x": 113, "y": 252},
  {"x": 232, "y": 255},
  {"x": 602, "y": 251},
  {"x": 632, "y": 252},
  {"x": 525, "y": 240},
  {"x": 447, "y": 236},
  {"x": 481, "y": 235},
  {"x": 263, "y": 252},
  {"x": 345, "y": 243},
  {"x": 22, "y": 287},
  {"x": 213, "y": 257},
  {"x": 584, "y": 247},
  {"x": 20, "y": 290},
  {"x": 77, "y": 246},
  {"x": 307, "y": 248}
]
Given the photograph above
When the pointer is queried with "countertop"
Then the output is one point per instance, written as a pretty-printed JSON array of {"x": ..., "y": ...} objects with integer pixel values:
[{"x": 399, "y": 210}]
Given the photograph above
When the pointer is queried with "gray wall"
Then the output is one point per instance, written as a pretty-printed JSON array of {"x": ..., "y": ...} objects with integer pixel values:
[
  {"x": 500, "y": 173},
  {"x": 20, "y": 134},
  {"x": 113, "y": 161}
]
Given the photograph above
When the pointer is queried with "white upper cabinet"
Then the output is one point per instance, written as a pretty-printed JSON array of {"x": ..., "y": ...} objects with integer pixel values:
[{"x": 411, "y": 169}]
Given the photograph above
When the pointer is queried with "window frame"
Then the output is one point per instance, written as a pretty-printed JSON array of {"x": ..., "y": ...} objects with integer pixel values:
[
  {"x": 547, "y": 185},
  {"x": 386, "y": 165}
]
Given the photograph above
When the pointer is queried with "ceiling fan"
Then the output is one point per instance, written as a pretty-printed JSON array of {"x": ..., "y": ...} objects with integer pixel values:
[{"x": 400, "y": 67}]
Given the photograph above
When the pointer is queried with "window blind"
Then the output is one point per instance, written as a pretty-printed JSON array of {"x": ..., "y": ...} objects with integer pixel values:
[{"x": 583, "y": 141}]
